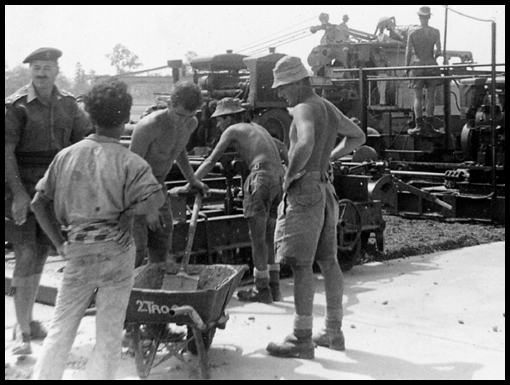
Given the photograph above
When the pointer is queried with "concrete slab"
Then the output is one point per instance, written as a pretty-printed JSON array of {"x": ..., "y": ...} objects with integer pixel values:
[{"x": 434, "y": 317}]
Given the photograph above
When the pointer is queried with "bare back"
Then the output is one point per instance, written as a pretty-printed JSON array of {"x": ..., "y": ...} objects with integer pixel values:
[
  {"x": 328, "y": 122},
  {"x": 422, "y": 41},
  {"x": 253, "y": 143}
]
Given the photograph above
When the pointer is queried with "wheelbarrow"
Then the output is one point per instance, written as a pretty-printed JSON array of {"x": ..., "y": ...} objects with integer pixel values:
[{"x": 202, "y": 311}]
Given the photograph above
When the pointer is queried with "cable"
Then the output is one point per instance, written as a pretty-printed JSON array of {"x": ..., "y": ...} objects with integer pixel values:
[
  {"x": 281, "y": 43},
  {"x": 270, "y": 37},
  {"x": 468, "y": 16},
  {"x": 272, "y": 42}
]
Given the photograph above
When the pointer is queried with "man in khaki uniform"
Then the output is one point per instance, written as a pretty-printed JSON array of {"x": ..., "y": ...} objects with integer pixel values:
[{"x": 40, "y": 120}]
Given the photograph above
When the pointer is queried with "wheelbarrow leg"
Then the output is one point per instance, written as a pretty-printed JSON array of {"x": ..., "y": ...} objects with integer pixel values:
[
  {"x": 144, "y": 357},
  {"x": 202, "y": 354}
]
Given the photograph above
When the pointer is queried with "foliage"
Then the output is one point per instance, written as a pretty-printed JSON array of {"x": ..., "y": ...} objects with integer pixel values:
[{"x": 123, "y": 59}]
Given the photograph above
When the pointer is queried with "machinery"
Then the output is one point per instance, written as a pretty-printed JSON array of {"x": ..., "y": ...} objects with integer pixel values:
[{"x": 446, "y": 177}]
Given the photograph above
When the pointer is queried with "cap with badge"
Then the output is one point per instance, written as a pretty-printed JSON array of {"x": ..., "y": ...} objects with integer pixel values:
[
  {"x": 228, "y": 106},
  {"x": 45, "y": 54}
]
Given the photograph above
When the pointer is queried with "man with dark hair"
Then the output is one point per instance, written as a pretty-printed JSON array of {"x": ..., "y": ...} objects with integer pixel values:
[
  {"x": 95, "y": 188},
  {"x": 308, "y": 215},
  {"x": 161, "y": 138},
  {"x": 262, "y": 192},
  {"x": 421, "y": 42},
  {"x": 40, "y": 120}
]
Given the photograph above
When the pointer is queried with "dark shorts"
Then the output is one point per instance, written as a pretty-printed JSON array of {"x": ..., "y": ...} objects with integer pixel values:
[
  {"x": 425, "y": 72},
  {"x": 262, "y": 193}
]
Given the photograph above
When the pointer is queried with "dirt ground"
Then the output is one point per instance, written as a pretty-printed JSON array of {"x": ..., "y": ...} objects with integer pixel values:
[{"x": 405, "y": 237}]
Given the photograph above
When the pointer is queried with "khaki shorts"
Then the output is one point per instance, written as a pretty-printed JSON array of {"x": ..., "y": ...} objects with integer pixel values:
[
  {"x": 306, "y": 229},
  {"x": 262, "y": 193}
]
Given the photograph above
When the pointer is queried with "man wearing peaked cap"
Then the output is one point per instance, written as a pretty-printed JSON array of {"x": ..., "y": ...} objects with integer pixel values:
[
  {"x": 44, "y": 54},
  {"x": 306, "y": 229},
  {"x": 40, "y": 120}
]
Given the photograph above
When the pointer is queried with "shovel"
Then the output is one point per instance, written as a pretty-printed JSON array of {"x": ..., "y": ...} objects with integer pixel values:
[{"x": 182, "y": 281}]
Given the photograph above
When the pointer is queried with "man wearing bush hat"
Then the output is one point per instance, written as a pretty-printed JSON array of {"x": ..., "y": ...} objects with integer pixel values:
[
  {"x": 262, "y": 192},
  {"x": 308, "y": 215},
  {"x": 40, "y": 120}
]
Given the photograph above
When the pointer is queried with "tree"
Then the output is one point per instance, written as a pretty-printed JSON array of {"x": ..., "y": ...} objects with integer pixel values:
[
  {"x": 82, "y": 81},
  {"x": 123, "y": 59},
  {"x": 188, "y": 56}
]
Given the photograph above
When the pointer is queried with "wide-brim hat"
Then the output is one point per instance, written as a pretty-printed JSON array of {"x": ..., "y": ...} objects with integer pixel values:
[
  {"x": 289, "y": 69},
  {"x": 424, "y": 11},
  {"x": 45, "y": 54},
  {"x": 228, "y": 106}
]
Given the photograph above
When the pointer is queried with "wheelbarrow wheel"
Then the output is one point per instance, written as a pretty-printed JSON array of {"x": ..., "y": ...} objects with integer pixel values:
[
  {"x": 207, "y": 337},
  {"x": 145, "y": 351}
]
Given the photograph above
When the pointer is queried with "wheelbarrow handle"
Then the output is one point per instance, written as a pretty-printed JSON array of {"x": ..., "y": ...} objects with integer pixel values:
[{"x": 192, "y": 228}]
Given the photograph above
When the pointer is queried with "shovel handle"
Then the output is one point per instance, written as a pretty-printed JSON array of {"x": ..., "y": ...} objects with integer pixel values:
[{"x": 192, "y": 228}]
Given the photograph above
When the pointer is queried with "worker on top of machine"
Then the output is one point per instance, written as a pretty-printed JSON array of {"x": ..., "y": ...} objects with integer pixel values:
[
  {"x": 420, "y": 51},
  {"x": 343, "y": 29},
  {"x": 262, "y": 192},
  {"x": 332, "y": 34}
]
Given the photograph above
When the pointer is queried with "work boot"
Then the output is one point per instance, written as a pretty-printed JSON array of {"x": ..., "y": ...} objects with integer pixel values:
[
  {"x": 255, "y": 295},
  {"x": 23, "y": 347},
  {"x": 332, "y": 340},
  {"x": 37, "y": 330},
  {"x": 294, "y": 346},
  {"x": 418, "y": 130},
  {"x": 429, "y": 129}
]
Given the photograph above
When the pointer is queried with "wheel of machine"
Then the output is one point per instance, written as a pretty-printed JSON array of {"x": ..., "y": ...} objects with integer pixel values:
[
  {"x": 277, "y": 121},
  {"x": 207, "y": 337},
  {"x": 145, "y": 350},
  {"x": 349, "y": 234}
]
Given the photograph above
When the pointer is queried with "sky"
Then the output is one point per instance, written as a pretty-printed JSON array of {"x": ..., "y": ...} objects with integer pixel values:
[{"x": 158, "y": 33}]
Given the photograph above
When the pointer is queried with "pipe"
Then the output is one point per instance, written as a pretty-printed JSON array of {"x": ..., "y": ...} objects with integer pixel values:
[{"x": 191, "y": 313}]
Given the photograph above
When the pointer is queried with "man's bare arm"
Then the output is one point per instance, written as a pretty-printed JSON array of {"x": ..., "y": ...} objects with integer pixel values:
[
  {"x": 354, "y": 137},
  {"x": 218, "y": 151},
  {"x": 44, "y": 214}
]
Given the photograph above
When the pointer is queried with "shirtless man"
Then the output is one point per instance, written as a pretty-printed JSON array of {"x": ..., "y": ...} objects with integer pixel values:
[
  {"x": 421, "y": 42},
  {"x": 161, "y": 138},
  {"x": 308, "y": 214},
  {"x": 262, "y": 192}
]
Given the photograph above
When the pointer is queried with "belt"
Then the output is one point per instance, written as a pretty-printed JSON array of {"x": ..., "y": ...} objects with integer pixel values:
[
  {"x": 267, "y": 166},
  {"x": 33, "y": 159}
]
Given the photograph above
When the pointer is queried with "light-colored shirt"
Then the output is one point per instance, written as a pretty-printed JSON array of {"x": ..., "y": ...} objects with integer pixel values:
[{"x": 92, "y": 182}]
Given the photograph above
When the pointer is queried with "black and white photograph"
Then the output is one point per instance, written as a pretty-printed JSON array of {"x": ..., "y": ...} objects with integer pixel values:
[{"x": 255, "y": 192}]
